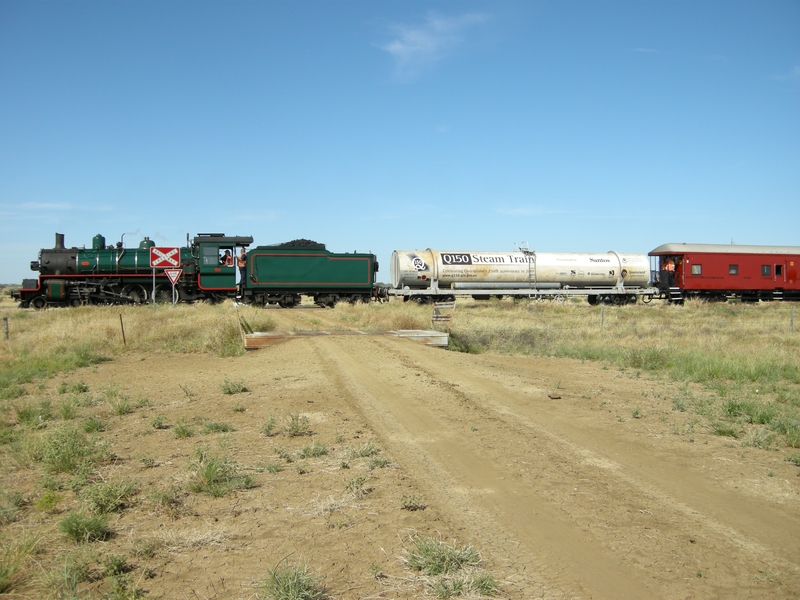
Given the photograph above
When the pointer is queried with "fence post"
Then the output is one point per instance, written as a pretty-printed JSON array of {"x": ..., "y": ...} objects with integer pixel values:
[
  {"x": 791, "y": 324},
  {"x": 5, "y": 328},
  {"x": 124, "y": 342},
  {"x": 602, "y": 316}
]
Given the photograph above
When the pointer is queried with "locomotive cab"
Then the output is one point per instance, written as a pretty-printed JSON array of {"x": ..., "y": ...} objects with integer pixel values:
[{"x": 216, "y": 255}]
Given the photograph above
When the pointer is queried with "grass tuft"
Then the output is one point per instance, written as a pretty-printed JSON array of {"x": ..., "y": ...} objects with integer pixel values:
[
  {"x": 292, "y": 583},
  {"x": 217, "y": 476},
  {"x": 82, "y": 528},
  {"x": 432, "y": 556},
  {"x": 107, "y": 496},
  {"x": 296, "y": 425}
]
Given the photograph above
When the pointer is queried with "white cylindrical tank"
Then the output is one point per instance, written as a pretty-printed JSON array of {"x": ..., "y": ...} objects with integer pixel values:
[{"x": 471, "y": 270}]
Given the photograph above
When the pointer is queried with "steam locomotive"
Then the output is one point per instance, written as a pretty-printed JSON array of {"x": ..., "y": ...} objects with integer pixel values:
[{"x": 279, "y": 274}]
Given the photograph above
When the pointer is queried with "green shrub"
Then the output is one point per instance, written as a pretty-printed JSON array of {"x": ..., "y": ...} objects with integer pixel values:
[
  {"x": 233, "y": 387},
  {"x": 10, "y": 505},
  {"x": 363, "y": 451},
  {"x": 212, "y": 427},
  {"x": 292, "y": 583},
  {"x": 182, "y": 429},
  {"x": 433, "y": 557},
  {"x": 93, "y": 425},
  {"x": 725, "y": 429},
  {"x": 107, "y": 496},
  {"x": 296, "y": 425},
  {"x": 313, "y": 450},
  {"x": 66, "y": 450},
  {"x": 85, "y": 528},
  {"x": 14, "y": 556},
  {"x": 217, "y": 476},
  {"x": 48, "y": 501}
]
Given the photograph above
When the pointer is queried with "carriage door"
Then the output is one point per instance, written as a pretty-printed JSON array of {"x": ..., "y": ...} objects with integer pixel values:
[
  {"x": 780, "y": 274},
  {"x": 216, "y": 271}
]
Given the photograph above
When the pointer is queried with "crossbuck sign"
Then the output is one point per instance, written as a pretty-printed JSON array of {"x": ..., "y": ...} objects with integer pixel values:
[{"x": 165, "y": 258}]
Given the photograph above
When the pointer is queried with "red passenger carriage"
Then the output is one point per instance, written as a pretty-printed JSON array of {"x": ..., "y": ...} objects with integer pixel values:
[{"x": 719, "y": 271}]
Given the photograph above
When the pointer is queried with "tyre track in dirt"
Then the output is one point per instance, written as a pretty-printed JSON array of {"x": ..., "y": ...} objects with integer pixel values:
[{"x": 550, "y": 559}]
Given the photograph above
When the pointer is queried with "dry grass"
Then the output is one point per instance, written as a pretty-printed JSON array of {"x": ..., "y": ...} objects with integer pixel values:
[{"x": 43, "y": 343}]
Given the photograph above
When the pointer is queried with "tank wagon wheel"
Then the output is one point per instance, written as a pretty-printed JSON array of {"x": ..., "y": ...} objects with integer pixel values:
[
  {"x": 39, "y": 302},
  {"x": 136, "y": 294}
]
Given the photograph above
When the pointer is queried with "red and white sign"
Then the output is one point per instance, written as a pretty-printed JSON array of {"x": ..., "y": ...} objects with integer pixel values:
[
  {"x": 165, "y": 258},
  {"x": 173, "y": 274}
]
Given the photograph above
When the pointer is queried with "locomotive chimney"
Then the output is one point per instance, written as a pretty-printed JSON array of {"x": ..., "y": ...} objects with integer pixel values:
[{"x": 59, "y": 241}]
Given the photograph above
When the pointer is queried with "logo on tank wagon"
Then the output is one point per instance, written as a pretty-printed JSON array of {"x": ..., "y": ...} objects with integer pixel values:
[
  {"x": 419, "y": 264},
  {"x": 451, "y": 258}
]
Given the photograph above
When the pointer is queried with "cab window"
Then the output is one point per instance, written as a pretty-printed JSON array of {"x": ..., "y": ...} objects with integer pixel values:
[{"x": 210, "y": 256}]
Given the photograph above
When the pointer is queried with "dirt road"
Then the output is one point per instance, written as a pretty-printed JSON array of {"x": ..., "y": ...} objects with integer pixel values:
[
  {"x": 538, "y": 462},
  {"x": 569, "y": 496}
]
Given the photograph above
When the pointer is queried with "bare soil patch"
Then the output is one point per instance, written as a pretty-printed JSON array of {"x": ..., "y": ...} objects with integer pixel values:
[{"x": 573, "y": 480}]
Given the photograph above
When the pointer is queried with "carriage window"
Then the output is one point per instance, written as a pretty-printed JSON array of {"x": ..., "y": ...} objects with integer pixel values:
[
  {"x": 778, "y": 270},
  {"x": 766, "y": 270},
  {"x": 697, "y": 269},
  {"x": 733, "y": 269}
]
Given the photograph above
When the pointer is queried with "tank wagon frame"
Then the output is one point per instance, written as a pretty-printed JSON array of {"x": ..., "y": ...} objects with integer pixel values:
[{"x": 610, "y": 278}]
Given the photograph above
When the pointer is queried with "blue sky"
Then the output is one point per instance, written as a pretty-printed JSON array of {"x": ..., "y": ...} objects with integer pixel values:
[{"x": 374, "y": 126}]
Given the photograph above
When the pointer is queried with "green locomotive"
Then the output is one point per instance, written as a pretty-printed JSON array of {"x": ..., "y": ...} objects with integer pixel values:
[{"x": 278, "y": 274}]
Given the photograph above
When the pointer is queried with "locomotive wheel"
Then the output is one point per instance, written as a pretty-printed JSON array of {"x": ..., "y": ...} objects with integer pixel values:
[
  {"x": 136, "y": 293},
  {"x": 163, "y": 294},
  {"x": 39, "y": 302}
]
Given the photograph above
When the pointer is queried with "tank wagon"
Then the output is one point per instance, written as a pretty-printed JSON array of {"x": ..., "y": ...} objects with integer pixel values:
[
  {"x": 278, "y": 274},
  {"x": 721, "y": 271},
  {"x": 432, "y": 275}
]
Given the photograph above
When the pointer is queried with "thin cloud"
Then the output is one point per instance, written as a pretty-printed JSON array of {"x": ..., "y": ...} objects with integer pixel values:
[
  {"x": 793, "y": 74},
  {"x": 47, "y": 206},
  {"x": 58, "y": 206},
  {"x": 527, "y": 211},
  {"x": 419, "y": 47},
  {"x": 646, "y": 50}
]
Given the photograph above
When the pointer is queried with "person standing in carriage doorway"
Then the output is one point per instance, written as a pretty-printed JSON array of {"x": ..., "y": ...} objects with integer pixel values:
[{"x": 241, "y": 262}]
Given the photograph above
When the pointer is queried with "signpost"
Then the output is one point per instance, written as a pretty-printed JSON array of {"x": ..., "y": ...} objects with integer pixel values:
[
  {"x": 167, "y": 259},
  {"x": 173, "y": 275}
]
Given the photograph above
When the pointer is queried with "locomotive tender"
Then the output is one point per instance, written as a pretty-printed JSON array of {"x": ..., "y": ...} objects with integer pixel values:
[{"x": 278, "y": 274}]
